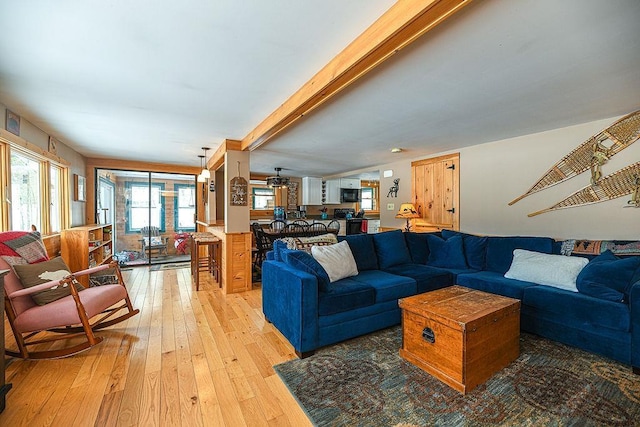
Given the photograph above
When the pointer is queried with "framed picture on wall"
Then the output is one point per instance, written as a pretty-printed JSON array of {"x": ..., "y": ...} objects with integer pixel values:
[
  {"x": 13, "y": 123},
  {"x": 79, "y": 188}
]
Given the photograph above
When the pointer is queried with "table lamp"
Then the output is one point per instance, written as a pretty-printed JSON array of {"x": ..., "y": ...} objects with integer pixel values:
[{"x": 407, "y": 211}]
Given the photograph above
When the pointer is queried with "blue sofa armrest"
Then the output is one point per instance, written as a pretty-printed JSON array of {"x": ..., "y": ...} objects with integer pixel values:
[
  {"x": 634, "y": 308},
  {"x": 290, "y": 303}
]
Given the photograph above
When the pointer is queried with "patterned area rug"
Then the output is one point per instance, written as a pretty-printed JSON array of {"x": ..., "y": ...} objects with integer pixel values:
[
  {"x": 364, "y": 382},
  {"x": 173, "y": 266}
]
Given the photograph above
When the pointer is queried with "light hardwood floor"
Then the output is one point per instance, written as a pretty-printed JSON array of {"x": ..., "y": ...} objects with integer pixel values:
[{"x": 188, "y": 359}]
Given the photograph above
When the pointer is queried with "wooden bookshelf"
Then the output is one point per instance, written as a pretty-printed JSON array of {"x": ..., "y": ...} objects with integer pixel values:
[{"x": 87, "y": 246}]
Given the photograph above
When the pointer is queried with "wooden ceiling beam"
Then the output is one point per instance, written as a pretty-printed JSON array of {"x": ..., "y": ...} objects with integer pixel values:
[{"x": 402, "y": 24}]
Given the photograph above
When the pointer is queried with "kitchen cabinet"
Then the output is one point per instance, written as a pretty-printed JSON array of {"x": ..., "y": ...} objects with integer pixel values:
[
  {"x": 332, "y": 192},
  {"x": 311, "y": 190},
  {"x": 349, "y": 183}
]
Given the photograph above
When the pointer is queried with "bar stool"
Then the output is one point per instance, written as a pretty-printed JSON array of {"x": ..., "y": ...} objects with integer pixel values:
[{"x": 210, "y": 262}]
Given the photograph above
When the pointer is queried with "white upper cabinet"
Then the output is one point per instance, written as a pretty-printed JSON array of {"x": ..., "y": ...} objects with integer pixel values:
[
  {"x": 332, "y": 192},
  {"x": 311, "y": 190},
  {"x": 349, "y": 183}
]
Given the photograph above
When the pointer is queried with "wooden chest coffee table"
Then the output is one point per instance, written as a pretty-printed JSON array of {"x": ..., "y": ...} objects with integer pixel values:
[{"x": 460, "y": 336}]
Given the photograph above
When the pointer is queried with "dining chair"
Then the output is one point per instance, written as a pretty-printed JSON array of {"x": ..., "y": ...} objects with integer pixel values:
[{"x": 277, "y": 225}]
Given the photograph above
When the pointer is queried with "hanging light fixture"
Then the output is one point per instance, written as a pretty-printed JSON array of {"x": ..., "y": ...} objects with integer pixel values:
[
  {"x": 201, "y": 178},
  {"x": 277, "y": 181},
  {"x": 205, "y": 172}
]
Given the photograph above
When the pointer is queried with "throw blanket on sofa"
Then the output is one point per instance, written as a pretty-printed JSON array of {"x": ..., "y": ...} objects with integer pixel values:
[{"x": 596, "y": 247}]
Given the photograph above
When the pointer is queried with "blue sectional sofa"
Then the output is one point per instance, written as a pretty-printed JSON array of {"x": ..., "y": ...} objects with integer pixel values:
[{"x": 603, "y": 317}]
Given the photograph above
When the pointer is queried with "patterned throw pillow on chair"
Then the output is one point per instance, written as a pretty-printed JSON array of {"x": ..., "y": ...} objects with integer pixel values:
[
  {"x": 155, "y": 241},
  {"x": 43, "y": 272}
]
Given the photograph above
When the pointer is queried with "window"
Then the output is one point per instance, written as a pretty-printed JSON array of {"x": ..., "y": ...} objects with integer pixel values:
[
  {"x": 55, "y": 199},
  {"x": 25, "y": 192},
  {"x": 263, "y": 198},
  {"x": 368, "y": 199},
  {"x": 34, "y": 190},
  {"x": 144, "y": 206},
  {"x": 185, "y": 207}
]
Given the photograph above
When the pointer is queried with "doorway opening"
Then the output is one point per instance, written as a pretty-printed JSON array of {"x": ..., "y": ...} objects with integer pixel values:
[{"x": 152, "y": 214}]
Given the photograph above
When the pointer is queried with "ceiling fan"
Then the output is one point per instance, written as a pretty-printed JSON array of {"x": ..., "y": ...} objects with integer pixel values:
[{"x": 278, "y": 181}]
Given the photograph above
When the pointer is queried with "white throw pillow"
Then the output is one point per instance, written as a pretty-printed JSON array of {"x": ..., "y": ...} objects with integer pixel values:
[
  {"x": 337, "y": 260},
  {"x": 559, "y": 271}
]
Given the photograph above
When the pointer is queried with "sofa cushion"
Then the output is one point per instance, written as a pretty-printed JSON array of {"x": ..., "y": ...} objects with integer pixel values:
[
  {"x": 446, "y": 253},
  {"x": 345, "y": 295},
  {"x": 391, "y": 248},
  {"x": 475, "y": 248},
  {"x": 559, "y": 271},
  {"x": 337, "y": 260},
  {"x": 577, "y": 310},
  {"x": 500, "y": 250},
  {"x": 608, "y": 277},
  {"x": 418, "y": 246},
  {"x": 427, "y": 278},
  {"x": 303, "y": 261},
  {"x": 363, "y": 251},
  {"x": 495, "y": 283},
  {"x": 387, "y": 286}
]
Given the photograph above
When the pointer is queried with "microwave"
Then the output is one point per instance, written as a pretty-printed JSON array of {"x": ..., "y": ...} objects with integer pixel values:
[{"x": 349, "y": 195}]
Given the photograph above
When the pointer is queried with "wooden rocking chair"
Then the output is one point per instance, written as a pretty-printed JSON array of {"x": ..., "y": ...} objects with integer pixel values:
[{"x": 81, "y": 313}]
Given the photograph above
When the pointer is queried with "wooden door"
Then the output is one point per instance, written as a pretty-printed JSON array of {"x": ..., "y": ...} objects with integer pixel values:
[{"x": 436, "y": 192}]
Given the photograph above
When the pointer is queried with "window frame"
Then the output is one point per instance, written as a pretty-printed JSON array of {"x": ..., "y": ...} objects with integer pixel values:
[
  {"x": 254, "y": 195},
  {"x": 375, "y": 188},
  {"x": 160, "y": 185},
  {"x": 176, "y": 207}
]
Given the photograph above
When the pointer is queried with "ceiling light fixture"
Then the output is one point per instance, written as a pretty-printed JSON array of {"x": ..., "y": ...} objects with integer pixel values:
[
  {"x": 396, "y": 150},
  {"x": 277, "y": 181},
  {"x": 205, "y": 171},
  {"x": 201, "y": 178}
]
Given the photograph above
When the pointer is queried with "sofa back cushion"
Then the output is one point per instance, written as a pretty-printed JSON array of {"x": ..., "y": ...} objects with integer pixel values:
[
  {"x": 418, "y": 246},
  {"x": 500, "y": 250},
  {"x": 446, "y": 253},
  {"x": 363, "y": 251},
  {"x": 391, "y": 249},
  {"x": 609, "y": 277},
  {"x": 475, "y": 248}
]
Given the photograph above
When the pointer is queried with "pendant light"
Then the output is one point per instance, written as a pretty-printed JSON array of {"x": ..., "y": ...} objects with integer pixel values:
[
  {"x": 201, "y": 178},
  {"x": 205, "y": 172}
]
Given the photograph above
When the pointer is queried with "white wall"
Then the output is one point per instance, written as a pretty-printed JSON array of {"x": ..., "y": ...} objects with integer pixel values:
[
  {"x": 493, "y": 174},
  {"x": 402, "y": 170},
  {"x": 38, "y": 137},
  {"x": 236, "y": 218}
]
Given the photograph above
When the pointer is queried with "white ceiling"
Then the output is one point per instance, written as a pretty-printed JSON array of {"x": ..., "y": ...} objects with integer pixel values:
[{"x": 155, "y": 80}]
